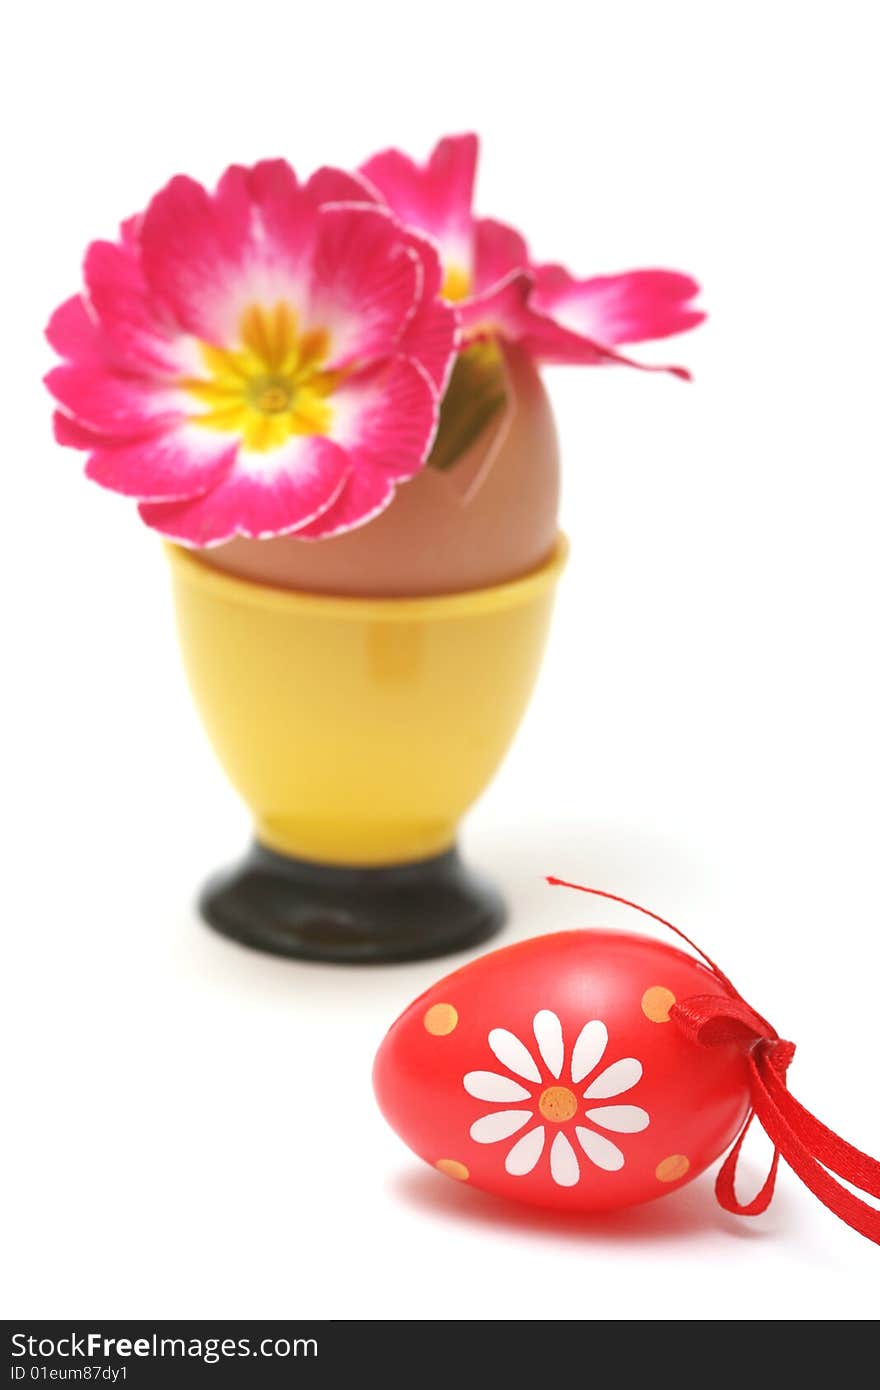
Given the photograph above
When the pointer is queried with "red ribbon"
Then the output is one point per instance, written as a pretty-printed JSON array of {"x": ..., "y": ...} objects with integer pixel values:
[{"x": 812, "y": 1150}]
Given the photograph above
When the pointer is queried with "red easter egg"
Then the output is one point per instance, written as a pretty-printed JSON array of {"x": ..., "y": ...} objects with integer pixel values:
[{"x": 551, "y": 1073}]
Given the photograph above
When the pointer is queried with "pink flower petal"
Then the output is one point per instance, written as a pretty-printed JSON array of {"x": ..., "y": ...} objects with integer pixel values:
[
  {"x": 366, "y": 282},
  {"x": 111, "y": 403},
  {"x": 500, "y": 250},
  {"x": 431, "y": 337},
  {"x": 77, "y": 436},
  {"x": 329, "y": 185},
  {"x": 386, "y": 417},
  {"x": 500, "y": 311},
  {"x": 262, "y": 495},
  {"x": 507, "y": 311},
  {"x": 275, "y": 215},
  {"x": 177, "y": 464},
  {"x": 626, "y": 308},
  {"x": 551, "y": 343},
  {"x": 120, "y": 299},
  {"x": 432, "y": 270},
  {"x": 73, "y": 333},
  {"x": 130, "y": 232},
  {"x": 434, "y": 197},
  {"x": 186, "y": 257},
  {"x": 210, "y": 256},
  {"x": 204, "y": 256},
  {"x": 364, "y": 495}
]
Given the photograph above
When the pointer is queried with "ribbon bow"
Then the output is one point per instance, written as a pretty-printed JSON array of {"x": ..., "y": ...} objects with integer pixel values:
[{"x": 812, "y": 1150}]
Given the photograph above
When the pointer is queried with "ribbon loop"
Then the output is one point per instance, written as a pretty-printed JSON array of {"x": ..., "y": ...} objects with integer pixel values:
[
  {"x": 810, "y": 1149},
  {"x": 715, "y": 1019},
  {"x": 725, "y": 1183}
]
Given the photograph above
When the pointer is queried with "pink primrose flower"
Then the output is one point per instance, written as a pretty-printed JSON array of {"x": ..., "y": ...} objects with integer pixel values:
[
  {"x": 501, "y": 292},
  {"x": 263, "y": 359}
]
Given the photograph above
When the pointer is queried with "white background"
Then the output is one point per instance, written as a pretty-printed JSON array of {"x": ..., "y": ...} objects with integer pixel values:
[{"x": 191, "y": 1127}]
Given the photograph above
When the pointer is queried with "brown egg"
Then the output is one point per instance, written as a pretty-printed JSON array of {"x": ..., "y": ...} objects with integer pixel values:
[{"x": 490, "y": 517}]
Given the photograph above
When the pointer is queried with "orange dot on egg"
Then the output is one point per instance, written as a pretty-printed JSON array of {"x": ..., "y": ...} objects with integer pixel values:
[
  {"x": 673, "y": 1168},
  {"x": 453, "y": 1169},
  {"x": 441, "y": 1019},
  {"x": 656, "y": 1003}
]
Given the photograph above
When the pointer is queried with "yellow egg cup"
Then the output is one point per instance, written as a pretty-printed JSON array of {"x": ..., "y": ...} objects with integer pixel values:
[{"x": 359, "y": 731}]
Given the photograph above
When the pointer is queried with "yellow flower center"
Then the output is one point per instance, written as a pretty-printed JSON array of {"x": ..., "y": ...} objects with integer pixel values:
[
  {"x": 456, "y": 283},
  {"x": 271, "y": 386},
  {"x": 270, "y": 395},
  {"x": 558, "y": 1104}
]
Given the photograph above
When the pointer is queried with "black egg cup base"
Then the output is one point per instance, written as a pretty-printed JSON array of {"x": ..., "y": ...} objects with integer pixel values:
[{"x": 363, "y": 916}]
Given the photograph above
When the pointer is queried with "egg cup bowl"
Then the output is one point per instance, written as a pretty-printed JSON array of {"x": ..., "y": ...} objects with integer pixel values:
[{"x": 359, "y": 731}]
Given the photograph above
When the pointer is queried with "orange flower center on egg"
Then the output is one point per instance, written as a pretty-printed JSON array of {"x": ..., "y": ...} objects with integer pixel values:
[
  {"x": 557, "y": 1104},
  {"x": 271, "y": 385}
]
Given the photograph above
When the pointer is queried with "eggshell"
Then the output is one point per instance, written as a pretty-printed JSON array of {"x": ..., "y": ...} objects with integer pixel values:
[
  {"x": 491, "y": 517},
  {"x": 550, "y": 1072}
]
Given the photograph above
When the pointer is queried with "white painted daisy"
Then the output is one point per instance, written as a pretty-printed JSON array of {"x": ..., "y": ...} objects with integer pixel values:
[{"x": 544, "y": 1093}]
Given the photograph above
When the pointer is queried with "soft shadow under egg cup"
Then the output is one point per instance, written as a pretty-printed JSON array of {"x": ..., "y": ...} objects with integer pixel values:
[{"x": 359, "y": 731}]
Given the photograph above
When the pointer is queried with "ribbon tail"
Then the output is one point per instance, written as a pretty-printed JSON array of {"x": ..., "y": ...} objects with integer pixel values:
[
  {"x": 778, "y": 1112},
  {"x": 830, "y": 1149}
]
